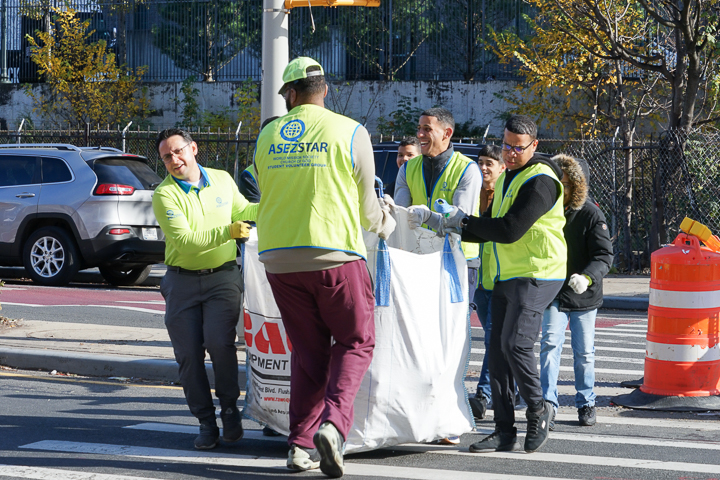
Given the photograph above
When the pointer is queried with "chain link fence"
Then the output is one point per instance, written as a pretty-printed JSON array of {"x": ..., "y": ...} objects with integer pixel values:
[
  {"x": 220, "y": 40},
  {"x": 644, "y": 190}
]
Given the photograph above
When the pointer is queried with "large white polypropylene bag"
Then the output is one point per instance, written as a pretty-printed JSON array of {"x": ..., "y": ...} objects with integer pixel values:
[{"x": 414, "y": 389}]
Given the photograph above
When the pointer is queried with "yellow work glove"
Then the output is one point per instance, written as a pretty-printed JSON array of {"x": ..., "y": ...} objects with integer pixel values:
[{"x": 239, "y": 230}]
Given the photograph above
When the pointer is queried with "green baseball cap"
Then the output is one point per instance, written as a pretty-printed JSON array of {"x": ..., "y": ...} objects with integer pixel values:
[{"x": 297, "y": 70}]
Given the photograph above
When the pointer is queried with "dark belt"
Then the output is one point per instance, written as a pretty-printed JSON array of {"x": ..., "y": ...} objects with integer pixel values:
[{"x": 183, "y": 271}]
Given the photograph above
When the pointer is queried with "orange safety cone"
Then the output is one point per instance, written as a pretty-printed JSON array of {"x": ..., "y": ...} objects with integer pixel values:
[{"x": 682, "y": 358}]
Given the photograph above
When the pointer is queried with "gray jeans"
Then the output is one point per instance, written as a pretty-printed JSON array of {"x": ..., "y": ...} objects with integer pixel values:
[{"x": 202, "y": 312}]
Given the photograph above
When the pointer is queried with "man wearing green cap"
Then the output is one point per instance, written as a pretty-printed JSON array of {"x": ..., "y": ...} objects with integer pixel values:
[{"x": 316, "y": 172}]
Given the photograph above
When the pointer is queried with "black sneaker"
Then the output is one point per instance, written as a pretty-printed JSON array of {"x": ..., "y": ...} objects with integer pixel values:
[
  {"x": 209, "y": 434},
  {"x": 301, "y": 458},
  {"x": 478, "y": 405},
  {"x": 329, "y": 443},
  {"x": 497, "y": 442},
  {"x": 586, "y": 416},
  {"x": 538, "y": 426},
  {"x": 232, "y": 425},
  {"x": 552, "y": 419}
]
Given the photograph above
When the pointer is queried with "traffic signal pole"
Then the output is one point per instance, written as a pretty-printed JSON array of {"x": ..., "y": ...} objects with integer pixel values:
[
  {"x": 275, "y": 56},
  {"x": 276, "y": 49}
]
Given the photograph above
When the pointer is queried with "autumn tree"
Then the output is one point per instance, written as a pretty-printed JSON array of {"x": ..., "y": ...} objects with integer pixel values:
[{"x": 83, "y": 83}]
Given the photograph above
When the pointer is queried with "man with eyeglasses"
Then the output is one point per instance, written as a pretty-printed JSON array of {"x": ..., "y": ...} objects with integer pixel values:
[
  {"x": 528, "y": 263},
  {"x": 200, "y": 211}
]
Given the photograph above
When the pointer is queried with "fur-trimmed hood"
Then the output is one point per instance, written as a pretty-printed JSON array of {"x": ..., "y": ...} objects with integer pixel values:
[{"x": 576, "y": 177}]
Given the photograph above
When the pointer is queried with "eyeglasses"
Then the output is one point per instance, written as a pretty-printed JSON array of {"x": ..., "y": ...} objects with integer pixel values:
[
  {"x": 167, "y": 158},
  {"x": 516, "y": 149}
]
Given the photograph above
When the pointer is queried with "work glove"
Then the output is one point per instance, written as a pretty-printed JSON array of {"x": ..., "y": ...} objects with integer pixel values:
[
  {"x": 239, "y": 230},
  {"x": 389, "y": 225},
  {"x": 417, "y": 215},
  {"x": 451, "y": 222},
  {"x": 579, "y": 283},
  {"x": 386, "y": 201}
]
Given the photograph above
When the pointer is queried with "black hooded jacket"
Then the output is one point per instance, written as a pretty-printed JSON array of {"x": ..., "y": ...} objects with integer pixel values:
[
  {"x": 589, "y": 253},
  {"x": 533, "y": 200}
]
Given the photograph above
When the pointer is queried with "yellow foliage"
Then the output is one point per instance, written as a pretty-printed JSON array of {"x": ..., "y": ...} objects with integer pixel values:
[
  {"x": 84, "y": 83},
  {"x": 564, "y": 81}
]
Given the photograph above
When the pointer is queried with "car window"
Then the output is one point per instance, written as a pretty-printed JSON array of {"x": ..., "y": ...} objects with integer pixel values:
[
  {"x": 18, "y": 170},
  {"x": 55, "y": 170},
  {"x": 126, "y": 172}
]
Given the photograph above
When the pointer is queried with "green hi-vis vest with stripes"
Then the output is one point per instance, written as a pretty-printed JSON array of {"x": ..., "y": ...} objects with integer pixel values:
[
  {"x": 541, "y": 253},
  {"x": 304, "y": 169},
  {"x": 444, "y": 188}
]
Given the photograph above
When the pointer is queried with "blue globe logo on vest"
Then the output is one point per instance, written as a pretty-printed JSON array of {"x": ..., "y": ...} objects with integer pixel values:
[{"x": 292, "y": 130}]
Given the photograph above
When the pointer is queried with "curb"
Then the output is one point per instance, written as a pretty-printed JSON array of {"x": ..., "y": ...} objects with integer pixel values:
[
  {"x": 100, "y": 365},
  {"x": 626, "y": 303}
]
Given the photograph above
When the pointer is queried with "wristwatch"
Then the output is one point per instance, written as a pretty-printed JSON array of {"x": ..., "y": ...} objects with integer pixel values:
[{"x": 464, "y": 221}]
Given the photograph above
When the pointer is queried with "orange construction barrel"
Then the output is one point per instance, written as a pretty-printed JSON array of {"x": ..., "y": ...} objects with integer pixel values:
[{"x": 682, "y": 356}]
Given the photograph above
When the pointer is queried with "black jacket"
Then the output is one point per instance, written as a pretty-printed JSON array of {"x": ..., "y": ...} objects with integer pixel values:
[
  {"x": 589, "y": 253},
  {"x": 533, "y": 200}
]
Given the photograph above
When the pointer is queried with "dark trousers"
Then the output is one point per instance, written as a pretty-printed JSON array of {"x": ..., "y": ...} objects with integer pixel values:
[
  {"x": 317, "y": 308},
  {"x": 201, "y": 313},
  {"x": 517, "y": 312}
]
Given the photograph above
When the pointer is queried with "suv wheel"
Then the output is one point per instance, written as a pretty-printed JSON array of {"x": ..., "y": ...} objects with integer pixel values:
[
  {"x": 123, "y": 276},
  {"x": 50, "y": 256}
]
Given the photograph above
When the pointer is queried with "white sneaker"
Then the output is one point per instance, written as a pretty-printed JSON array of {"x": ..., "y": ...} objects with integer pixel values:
[
  {"x": 329, "y": 443},
  {"x": 301, "y": 458}
]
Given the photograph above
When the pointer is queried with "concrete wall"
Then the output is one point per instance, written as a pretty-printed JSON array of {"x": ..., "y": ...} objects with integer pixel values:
[{"x": 363, "y": 101}]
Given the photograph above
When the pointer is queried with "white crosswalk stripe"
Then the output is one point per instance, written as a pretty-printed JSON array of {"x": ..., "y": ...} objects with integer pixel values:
[
  {"x": 212, "y": 458},
  {"x": 386, "y": 471}
]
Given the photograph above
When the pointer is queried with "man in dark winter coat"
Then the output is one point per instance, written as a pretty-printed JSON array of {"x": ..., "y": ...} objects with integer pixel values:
[{"x": 589, "y": 259}]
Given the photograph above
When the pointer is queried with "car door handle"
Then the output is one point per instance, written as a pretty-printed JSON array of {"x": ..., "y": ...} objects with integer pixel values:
[{"x": 25, "y": 195}]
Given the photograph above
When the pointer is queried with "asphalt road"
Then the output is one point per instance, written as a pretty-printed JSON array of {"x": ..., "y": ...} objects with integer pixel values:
[
  {"x": 60, "y": 427},
  {"x": 74, "y": 428}
]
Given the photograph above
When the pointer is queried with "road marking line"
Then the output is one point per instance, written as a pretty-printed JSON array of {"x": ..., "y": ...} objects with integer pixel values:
[
  {"x": 481, "y": 351},
  {"x": 584, "y": 460},
  {"x": 38, "y": 473},
  {"x": 149, "y": 302},
  {"x": 175, "y": 428},
  {"x": 564, "y": 368},
  {"x": 120, "y": 307},
  {"x": 84, "y": 380},
  {"x": 238, "y": 460}
]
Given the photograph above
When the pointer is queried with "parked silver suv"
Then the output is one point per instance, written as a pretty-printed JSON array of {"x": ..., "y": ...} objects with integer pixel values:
[{"x": 65, "y": 208}]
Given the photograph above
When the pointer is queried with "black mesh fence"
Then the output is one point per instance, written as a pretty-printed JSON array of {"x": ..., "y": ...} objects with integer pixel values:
[
  {"x": 644, "y": 190},
  {"x": 220, "y": 40}
]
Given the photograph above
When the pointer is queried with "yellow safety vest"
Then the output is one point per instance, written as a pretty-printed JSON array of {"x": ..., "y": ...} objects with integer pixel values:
[
  {"x": 304, "y": 169},
  {"x": 541, "y": 253},
  {"x": 444, "y": 188}
]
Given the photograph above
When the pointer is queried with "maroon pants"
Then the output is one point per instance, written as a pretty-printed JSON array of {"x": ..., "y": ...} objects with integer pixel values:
[{"x": 315, "y": 307}]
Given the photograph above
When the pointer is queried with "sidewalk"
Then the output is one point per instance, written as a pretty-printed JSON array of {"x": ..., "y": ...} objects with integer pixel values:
[{"x": 130, "y": 352}]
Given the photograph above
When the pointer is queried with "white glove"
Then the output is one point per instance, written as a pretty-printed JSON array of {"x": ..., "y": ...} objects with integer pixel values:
[
  {"x": 417, "y": 215},
  {"x": 388, "y": 227},
  {"x": 386, "y": 201},
  {"x": 579, "y": 283}
]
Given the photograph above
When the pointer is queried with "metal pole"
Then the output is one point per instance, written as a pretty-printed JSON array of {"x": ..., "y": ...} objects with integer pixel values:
[
  {"x": 124, "y": 131},
  {"x": 3, "y": 43},
  {"x": 237, "y": 148},
  {"x": 19, "y": 131},
  {"x": 275, "y": 56}
]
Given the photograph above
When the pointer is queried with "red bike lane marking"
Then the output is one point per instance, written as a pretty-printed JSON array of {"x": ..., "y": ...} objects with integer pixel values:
[{"x": 38, "y": 295}]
